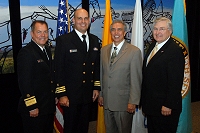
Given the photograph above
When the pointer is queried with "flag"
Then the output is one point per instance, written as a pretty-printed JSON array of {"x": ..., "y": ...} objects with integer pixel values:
[
  {"x": 181, "y": 38},
  {"x": 137, "y": 27},
  {"x": 58, "y": 119},
  {"x": 139, "y": 121},
  {"x": 63, "y": 27},
  {"x": 62, "y": 21},
  {"x": 106, "y": 39}
]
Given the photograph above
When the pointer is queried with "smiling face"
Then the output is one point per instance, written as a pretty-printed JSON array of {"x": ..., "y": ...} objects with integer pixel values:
[
  {"x": 117, "y": 32},
  {"x": 40, "y": 34},
  {"x": 81, "y": 20},
  {"x": 161, "y": 31}
]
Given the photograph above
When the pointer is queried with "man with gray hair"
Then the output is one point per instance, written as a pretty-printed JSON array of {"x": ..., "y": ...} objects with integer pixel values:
[
  {"x": 163, "y": 72},
  {"x": 121, "y": 76}
]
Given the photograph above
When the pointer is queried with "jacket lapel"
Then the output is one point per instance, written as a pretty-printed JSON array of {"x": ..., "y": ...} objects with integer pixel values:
[
  {"x": 39, "y": 53},
  {"x": 121, "y": 52},
  {"x": 48, "y": 50},
  {"x": 148, "y": 52},
  {"x": 159, "y": 52},
  {"x": 91, "y": 43},
  {"x": 109, "y": 54}
]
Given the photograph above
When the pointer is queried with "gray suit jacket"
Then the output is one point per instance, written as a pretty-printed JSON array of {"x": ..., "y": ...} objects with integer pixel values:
[{"x": 121, "y": 81}]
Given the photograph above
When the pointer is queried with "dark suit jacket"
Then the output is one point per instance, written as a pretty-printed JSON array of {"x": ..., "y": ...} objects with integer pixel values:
[
  {"x": 77, "y": 71},
  {"x": 163, "y": 79},
  {"x": 34, "y": 77}
]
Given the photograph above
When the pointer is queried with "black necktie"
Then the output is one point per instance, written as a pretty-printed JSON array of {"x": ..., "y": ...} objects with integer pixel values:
[
  {"x": 45, "y": 53},
  {"x": 84, "y": 42}
]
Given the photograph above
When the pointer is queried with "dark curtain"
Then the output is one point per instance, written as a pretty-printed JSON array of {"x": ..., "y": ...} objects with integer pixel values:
[{"x": 193, "y": 23}]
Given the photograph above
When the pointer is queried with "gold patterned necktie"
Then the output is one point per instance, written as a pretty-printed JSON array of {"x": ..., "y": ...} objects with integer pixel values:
[
  {"x": 153, "y": 52},
  {"x": 114, "y": 54}
]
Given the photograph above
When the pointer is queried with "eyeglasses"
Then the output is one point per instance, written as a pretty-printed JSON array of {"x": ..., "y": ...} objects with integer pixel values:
[{"x": 160, "y": 29}]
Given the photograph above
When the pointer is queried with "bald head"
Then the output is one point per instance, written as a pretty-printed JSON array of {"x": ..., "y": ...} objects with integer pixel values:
[
  {"x": 80, "y": 10},
  {"x": 81, "y": 20}
]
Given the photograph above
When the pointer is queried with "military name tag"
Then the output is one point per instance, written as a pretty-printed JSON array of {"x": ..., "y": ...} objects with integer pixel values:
[
  {"x": 73, "y": 50},
  {"x": 40, "y": 60},
  {"x": 95, "y": 49}
]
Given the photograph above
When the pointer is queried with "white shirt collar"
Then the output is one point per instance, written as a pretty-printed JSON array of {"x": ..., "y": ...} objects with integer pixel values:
[
  {"x": 39, "y": 45},
  {"x": 80, "y": 34},
  {"x": 161, "y": 44},
  {"x": 119, "y": 46}
]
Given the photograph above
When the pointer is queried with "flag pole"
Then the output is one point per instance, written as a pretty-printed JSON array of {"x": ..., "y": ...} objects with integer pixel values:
[{"x": 68, "y": 18}]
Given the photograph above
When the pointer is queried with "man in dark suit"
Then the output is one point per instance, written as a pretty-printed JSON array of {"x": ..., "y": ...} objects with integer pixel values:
[
  {"x": 37, "y": 104},
  {"x": 121, "y": 80},
  {"x": 77, "y": 70},
  {"x": 163, "y": 74}
]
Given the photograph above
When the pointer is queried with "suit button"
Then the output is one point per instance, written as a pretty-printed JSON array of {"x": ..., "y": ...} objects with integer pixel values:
[
  {"x": 91, "y": 80},
  {"x": 83, "y": 72},
  {"x": 109, "y": 87},
  {"x": 92, "y": 72},
  {"x": 51, "y": 81},
  {"x": 83, "y": 81},
  {"x": 92, "y": 63},
  {"x": 84, "y": 64},
  {"x": 110, "y": 77}
]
